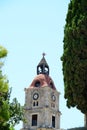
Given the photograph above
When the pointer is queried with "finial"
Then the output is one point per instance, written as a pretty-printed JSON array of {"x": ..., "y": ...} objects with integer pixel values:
[{"x": 43, "y": 54}]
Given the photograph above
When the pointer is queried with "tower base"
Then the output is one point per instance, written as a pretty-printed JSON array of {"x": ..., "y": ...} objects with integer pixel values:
[{"x": 41, "y": 129}]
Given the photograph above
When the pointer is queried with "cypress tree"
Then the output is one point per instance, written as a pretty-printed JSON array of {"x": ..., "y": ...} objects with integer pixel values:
[{"x": 74, "y": 59}]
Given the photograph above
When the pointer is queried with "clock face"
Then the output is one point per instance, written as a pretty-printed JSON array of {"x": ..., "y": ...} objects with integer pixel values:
[
  {"x": 53, "y": 97},
  {"x": 35, "y": 96}
]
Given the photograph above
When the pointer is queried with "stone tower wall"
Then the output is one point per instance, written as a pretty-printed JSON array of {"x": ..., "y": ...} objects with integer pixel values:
[{"x": 45, "y": 110}]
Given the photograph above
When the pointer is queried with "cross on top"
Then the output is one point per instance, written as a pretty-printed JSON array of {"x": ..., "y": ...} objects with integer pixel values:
[{"x": 43, "y": 54}]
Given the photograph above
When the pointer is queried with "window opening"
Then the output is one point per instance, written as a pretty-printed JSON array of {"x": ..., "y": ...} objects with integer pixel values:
[
  {"x": 33, "y": 103},
  {"x": 36, "y": 103},
  {"x": 53, "y": 105},
  {"x": 34, "y": 120},
  {"x": 51, "y": 85},
  {"x": 53, "y": 121},
  {"x": 37, "y": 84}
]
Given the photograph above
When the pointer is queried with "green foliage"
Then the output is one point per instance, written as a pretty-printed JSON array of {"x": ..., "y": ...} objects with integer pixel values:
[
  {"x": 15, "y": 112},
  {"x": 3, "y": 52},
  {"x": 10, "y": 112},
  {"x": 75, "y": 55},
  {"x": 4, "y": 107}
]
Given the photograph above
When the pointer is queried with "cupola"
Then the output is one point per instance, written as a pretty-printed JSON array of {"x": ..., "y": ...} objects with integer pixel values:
[
  {"x": 42, "y": 79},
  {"x": 42, "y": 67}
]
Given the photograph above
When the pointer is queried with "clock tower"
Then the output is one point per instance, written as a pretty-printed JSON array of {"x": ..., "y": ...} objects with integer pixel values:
[{"x": 41, "y": 110}]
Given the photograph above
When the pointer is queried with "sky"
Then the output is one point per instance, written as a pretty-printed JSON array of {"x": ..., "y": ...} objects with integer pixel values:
[{"x": 27, "y": 29}]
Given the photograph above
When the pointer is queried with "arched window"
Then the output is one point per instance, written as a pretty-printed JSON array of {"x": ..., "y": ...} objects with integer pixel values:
[{"x": 35, "y": 103}]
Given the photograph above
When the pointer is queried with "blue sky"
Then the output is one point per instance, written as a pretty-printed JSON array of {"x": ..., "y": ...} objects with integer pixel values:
[{"x": 27, "y": 29}]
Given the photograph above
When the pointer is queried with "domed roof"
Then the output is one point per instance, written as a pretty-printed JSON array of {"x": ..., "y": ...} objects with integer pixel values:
[{"x": 42, "y": 80}]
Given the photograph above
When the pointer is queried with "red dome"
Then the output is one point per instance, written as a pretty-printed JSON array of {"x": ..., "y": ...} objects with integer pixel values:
[{"x": 43, "y": 80}]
